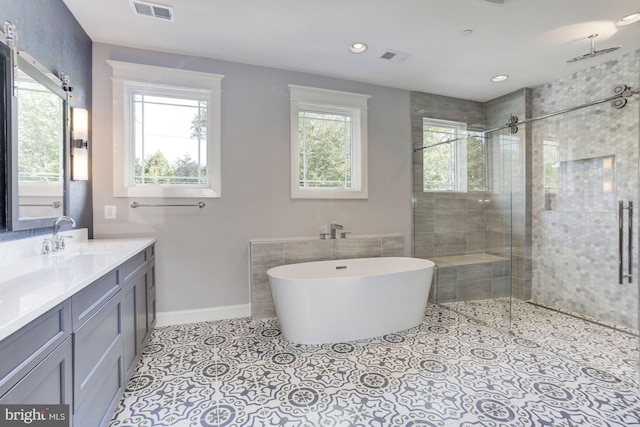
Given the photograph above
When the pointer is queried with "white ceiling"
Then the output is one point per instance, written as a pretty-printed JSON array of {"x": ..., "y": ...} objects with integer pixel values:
[{"x": 530, "y": 40}]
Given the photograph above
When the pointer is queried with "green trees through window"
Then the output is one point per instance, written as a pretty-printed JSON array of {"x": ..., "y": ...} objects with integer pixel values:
[
  {"x": 173, "y": 131},
  {"x": 454, "y": 159},
  {"x": 325, "y": 141},
  {"x": 40, "y": 136}
]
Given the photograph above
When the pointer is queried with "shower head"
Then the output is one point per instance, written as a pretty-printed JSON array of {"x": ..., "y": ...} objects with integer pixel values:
[{"x": 593, "y": 52}]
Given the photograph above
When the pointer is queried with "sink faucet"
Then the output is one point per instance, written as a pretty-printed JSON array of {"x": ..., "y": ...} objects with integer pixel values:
[
  {"x": 59, "y": 220},
  {"x": 334, "y": 230},
  {"x": 56, "y": 243}
]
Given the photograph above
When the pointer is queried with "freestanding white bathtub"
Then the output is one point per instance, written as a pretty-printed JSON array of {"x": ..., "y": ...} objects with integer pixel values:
[{"x": 343, "y": 300}]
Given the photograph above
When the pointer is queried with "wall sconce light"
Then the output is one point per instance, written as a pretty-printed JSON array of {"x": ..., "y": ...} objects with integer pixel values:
[{"x": 80, "y": 144}]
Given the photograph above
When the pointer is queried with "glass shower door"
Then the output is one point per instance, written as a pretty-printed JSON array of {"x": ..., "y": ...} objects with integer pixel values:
[
  {"x": 584, "y": 235},
  {"x": 584, "y": 219},
  {"x": 462, "y": 216}
]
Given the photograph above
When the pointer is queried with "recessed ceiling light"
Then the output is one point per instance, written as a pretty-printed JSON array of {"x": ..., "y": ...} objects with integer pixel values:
[
  {"x": 358, "y": 47},
  {"x": 466, "y": 33},
  {"x": 629, "y": 19},
  {"x": 499, "y": 78}
]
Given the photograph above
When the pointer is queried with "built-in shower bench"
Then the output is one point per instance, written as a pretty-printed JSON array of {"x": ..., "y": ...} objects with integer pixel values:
[{"x": 470, "y": 277}]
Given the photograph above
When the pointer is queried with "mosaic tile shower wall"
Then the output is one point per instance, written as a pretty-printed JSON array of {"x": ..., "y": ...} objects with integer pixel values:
[{"x": 587, "y": 160}]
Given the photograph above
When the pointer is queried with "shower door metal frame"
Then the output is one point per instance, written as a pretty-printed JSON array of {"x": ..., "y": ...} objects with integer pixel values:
[{"x": 621, "y": 274}]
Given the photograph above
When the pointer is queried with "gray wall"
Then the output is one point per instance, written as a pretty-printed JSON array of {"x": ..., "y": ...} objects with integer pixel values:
[
  {"x": 445, "y": 223},
  {"x": 49, "y": 33},
  {"x": 452, "y": 224},
  {"x": 203, "y": 254},
  {"x": 449, "y": 223}
]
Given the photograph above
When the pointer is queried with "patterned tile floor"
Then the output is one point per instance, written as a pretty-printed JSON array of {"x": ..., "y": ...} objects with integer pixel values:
[{"x": 452, "y": 370}]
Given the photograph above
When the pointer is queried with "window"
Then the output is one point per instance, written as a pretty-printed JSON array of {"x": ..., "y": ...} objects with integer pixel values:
[
  {"x": 454, "y": 159},
  {"x": 328, "y": 143},
  {"x": 166, "y": 132}
]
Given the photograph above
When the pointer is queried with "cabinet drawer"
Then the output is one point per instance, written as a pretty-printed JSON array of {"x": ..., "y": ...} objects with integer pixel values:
[
  {"x": 24, "y": 349},
  {"x": 101, "y": 399},
  {"x": 48, "y": 383},
  {"x": 132, "y": 266},
  {"x": 99, "y": 336},
  {"x": 88, "y": 301}
]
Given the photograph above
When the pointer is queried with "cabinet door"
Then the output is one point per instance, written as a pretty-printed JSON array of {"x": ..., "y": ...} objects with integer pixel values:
[
  {"x": 97, "y": 348},
  {"x": 103, "y": 396},
  {"x": 151, "y": 296},
  {"x": 141, "y": 310},
  {"x": 135, "y": 321},
  {"x": 50, "y": 382},
  {"x": 129, "y": 330}
]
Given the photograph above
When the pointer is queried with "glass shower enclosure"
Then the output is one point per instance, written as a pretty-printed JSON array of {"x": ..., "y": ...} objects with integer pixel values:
[
  {"x": 535, "y": 216},
  {"x": 463, "y": 201}
]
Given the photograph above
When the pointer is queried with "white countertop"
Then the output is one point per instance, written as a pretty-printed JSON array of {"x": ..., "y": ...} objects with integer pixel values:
[{"x": 32, "y": 285}]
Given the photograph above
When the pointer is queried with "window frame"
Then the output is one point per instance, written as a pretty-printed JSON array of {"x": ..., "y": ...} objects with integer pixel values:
[
  {"x": 460, "y": 153},
  {"x": 127, "y": 76},
  {"x": 328, "y": 101}
]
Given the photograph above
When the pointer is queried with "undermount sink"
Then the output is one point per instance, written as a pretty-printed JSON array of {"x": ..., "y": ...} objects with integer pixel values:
[{"x": 86, "y": 249}]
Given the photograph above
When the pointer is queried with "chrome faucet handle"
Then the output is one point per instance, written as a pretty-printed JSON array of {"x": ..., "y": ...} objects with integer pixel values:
[
  {"x": 61, "y": 241},
  {"x": 324, "y": 236},
  {"x": 343, "y": 235},
  {"x": 46, "y": 246}
]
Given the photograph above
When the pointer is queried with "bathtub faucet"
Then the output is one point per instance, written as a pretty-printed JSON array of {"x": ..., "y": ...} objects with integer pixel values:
[{"x": 334, "y": 230}]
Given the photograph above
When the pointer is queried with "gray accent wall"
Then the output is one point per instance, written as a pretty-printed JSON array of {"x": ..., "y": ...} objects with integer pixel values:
[
  {"x": 202, "y": 258},
  {"x": 497, "y": 221},
  {"x": 445, "y": 223},
  {"x": 48, "y": 31}
]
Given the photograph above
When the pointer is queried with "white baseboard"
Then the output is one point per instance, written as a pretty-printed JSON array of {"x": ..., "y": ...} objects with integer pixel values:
[{"x": 181, "y": 317}]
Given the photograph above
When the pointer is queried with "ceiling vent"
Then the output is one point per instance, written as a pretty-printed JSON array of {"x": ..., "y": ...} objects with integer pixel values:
[
  {"x": 395, "y": 56},
  {"x": 152, "y": 10}
]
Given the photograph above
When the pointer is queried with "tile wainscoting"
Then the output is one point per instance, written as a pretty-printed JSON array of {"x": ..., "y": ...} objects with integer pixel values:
[{"x": 265, "y": 254}]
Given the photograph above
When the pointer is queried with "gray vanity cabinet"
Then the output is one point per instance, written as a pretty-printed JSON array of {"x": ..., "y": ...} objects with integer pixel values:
[{"x": 83, "y": 351}]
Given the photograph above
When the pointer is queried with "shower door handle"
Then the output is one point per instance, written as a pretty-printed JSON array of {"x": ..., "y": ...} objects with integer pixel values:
[{"x": 621, "y": 275}]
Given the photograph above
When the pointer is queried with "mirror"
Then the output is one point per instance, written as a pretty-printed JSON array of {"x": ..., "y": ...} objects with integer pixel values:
[{"x": 37, "y": 155}]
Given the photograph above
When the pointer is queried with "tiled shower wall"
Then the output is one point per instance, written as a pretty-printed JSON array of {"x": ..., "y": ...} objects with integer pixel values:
[
  {"x": 272, "y": 253},
  {"x": 445, "y": 224},
  {"x": 451, "y": 224},
  {"x": 575, "y": 241}
]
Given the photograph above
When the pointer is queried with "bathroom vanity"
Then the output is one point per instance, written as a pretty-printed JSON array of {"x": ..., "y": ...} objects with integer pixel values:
[{"x": 73, "y": 325}]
